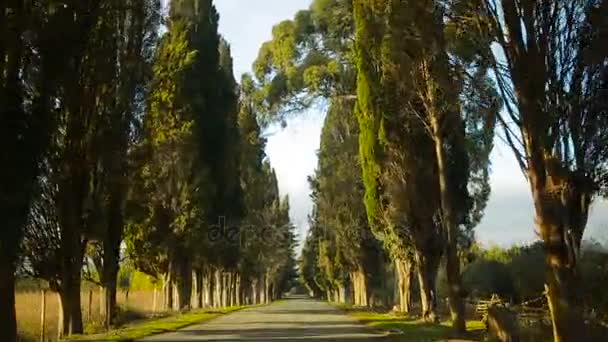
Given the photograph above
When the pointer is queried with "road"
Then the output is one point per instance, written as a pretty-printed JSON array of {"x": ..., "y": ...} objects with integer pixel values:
[{"x": 292, "y": 319}]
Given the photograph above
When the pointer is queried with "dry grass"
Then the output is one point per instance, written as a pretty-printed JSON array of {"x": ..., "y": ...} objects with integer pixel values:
[{"x": 28, "y": 306}]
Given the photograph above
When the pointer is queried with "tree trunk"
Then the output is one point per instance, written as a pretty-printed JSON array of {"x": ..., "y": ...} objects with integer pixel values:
[
  {"x": 70, "y": 306},
  {"x": 110, "y": 274},
  {"x": 70, "y": 284},
  {"x": 354, "y": 290},
  {"x": 455, "y": 293},
  {"x": 233, "y": 291},
  {"x": 428, "y": 264},
  {"x": 359, "y": 283},
  {"x": 239, "y": 293},
  {"x": 224, "y": 293},
  {"x": 208, "y": 284},
  {"x": 404, "y": 273},
  {"x": 217, "y": 289},
  {"x": 108, "y": 297},
  {"x": 254, "y": 291},
  {"x": 198, "y": 289},
  {"x": 8, "y": 320},
  {"x": 175, "y": 292},
  {"x": 341, "y": 294},
  {"x": 267, "y": 290},
  {"x": 114, "y": 229},
  {"x": 184, "y": 284},
  {"x": 168, "y": 290},
  {"x": 262, "y": 289},
  {"x": 553, "y": 218}
]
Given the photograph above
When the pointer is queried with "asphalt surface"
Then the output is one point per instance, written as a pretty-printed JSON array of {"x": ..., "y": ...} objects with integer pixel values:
[{"x": 292, "y": 319}]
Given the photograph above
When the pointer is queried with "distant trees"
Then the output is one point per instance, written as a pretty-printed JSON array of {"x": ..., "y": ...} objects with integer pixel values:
[
  {"x": 511, "y": 273},
  {"x": 339, "y": 211}
]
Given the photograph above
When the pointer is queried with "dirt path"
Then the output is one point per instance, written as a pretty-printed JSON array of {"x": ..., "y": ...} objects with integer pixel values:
[{"x": 292, "y": 319}]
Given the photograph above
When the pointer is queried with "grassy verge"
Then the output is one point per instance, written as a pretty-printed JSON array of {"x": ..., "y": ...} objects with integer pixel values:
[
  {"x": 153, "y": 327},
  {"x": 410, "y": 329}
]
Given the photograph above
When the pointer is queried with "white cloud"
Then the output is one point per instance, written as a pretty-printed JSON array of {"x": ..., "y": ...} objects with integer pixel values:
[{"x": 293, "y": 153}]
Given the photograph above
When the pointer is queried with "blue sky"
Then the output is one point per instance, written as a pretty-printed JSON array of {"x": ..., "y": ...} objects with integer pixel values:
[{"x": 246, "y": 24}]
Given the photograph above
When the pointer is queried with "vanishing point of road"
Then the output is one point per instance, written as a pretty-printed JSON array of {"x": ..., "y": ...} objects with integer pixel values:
[{"x": 289, "y": 320}]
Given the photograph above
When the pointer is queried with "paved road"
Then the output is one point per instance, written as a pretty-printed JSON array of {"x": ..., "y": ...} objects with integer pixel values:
[{"x": 292, "y": 319}]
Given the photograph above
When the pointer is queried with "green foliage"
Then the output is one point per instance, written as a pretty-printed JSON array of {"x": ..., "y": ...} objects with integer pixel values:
[
  {"x": 488, "y": 277},
  {"x": 341, "y": 242},
  {"x": 167, "y": 159},
  {"x": 594, "y": 274},
  {"x": 368, "y": 108},
  {"x": 309, "y": 57},
  {"x": 511, "y": 273},
  {"x": 125, "y": 278}
]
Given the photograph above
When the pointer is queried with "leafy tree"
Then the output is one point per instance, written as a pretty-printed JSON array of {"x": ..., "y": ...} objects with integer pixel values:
[
  {"x": 551, "y": 68},
  {"x": 408, "y": 83},
  {"x": 127, "y": 43},
  {"x": 33, "y": 71},
  {"x": 169, "y": 159}
]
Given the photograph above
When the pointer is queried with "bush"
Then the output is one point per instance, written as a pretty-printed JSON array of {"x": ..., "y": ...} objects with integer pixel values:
[
  {"x": 516, "y": 274},
  {"x": 483, "y": 278}
]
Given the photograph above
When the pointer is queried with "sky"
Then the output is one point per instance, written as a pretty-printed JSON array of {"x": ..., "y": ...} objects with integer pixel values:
[{"x": 508, "y": 219}]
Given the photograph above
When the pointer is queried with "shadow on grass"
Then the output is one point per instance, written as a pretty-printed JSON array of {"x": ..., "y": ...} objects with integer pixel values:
[{"x": 409, "y": 329}]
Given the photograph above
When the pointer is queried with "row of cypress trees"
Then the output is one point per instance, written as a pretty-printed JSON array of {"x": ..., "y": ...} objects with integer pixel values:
[
  {"x": 432, "y": 84},
  {"x": 126, "y": 137}
]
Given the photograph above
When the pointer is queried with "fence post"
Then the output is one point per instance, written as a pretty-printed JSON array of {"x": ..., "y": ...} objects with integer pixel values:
[
  {"x": 154, "y": 301},
  {"x": 60, "y": 315},
  {"x": 42, "y": 315},
  {"x": 90, "y": 304},
  {"x": 102, "y": 301}
]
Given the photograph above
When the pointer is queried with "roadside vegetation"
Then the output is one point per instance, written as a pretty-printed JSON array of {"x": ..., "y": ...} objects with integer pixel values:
[{"x": 158, "y": 326}]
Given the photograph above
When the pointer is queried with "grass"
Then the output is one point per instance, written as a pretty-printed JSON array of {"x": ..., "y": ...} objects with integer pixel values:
[
  {"x": 28, "y": 306},
  {"x": 154, "y": 327},
  {"x": 410, "y": 329}
]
